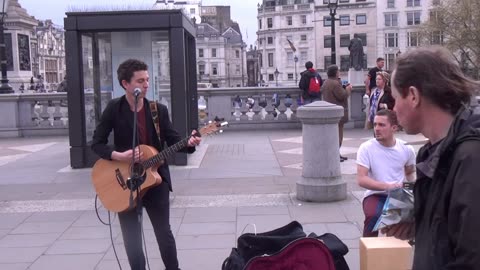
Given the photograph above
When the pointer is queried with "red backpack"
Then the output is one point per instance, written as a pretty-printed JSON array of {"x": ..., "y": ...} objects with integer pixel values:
[{"x": 315, "y": 84}]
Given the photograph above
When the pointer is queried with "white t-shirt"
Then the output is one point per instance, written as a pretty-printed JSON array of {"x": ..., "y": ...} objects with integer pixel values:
[{"x": 385, "y": 164}]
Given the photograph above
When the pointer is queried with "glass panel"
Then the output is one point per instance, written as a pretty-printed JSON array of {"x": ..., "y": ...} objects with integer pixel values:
[{"x": 101, "y": 55}]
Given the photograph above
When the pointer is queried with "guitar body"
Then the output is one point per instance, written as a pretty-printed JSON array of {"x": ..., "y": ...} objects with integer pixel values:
[{"x": 110, "y": 180}]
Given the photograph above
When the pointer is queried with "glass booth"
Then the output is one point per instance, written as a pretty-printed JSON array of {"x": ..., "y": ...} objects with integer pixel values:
[{"x": 97, "y": 42}]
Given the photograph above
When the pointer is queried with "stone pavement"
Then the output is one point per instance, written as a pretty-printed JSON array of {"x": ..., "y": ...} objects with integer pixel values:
[{"x": 48, "y": 219}]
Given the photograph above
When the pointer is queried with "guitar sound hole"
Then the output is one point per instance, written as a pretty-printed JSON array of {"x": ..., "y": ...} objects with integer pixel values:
[{"x": 138, "y": 169}]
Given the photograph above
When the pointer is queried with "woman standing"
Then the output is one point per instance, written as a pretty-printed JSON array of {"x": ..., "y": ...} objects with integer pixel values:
[{"x": 380, "y": 98}]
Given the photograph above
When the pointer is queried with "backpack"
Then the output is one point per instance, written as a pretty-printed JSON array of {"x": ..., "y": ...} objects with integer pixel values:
[{"x": 314, "y": 85}]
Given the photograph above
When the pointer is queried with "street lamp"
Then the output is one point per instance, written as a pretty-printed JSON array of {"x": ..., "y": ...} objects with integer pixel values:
[
  {"x": 332, "y": 5},
  {"x": 5, "y": 88},
  {"x": 295, "y": 59},
  {"x": 276, "y": 76}
]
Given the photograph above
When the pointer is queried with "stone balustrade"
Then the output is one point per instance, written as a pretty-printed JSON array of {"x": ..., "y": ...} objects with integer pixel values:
[
  {"x": 32, "y": 114},
  {"x": 251, "y": 107},
  {"x": 37, "y": 114}
]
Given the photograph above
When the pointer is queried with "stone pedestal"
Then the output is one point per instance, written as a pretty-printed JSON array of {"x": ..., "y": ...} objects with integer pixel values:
[
  {"x": 321, "y": 179},
  {"x": 356, "y": 78}
]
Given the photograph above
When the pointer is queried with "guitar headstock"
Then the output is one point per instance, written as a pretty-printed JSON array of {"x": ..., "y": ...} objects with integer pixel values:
[{"x": 213, "y": 127}]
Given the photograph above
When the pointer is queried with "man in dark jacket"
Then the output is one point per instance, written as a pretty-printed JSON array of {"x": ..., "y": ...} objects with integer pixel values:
[
  {"x": 118, "y": 116},
  {"x": 335, "y": 93},
  {"x": 304, "y": 84},
  {"x": 432, "y": 98}
]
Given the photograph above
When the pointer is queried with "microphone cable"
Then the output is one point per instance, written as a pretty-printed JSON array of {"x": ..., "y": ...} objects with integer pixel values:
[{"x": 109, "y": 224}]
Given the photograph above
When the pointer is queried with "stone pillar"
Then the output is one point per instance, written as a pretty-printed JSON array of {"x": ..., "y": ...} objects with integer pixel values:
[{"x": 321, "y": 179}]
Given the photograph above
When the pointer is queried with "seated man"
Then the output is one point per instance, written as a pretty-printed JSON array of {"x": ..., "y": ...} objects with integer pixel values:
[{"x": 383, "y": 163}]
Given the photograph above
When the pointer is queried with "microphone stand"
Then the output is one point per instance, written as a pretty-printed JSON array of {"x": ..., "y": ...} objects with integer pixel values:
[{"x": 133, "y": 180}]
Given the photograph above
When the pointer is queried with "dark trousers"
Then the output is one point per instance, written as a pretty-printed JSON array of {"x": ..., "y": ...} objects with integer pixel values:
[
  {"x": 156, "y": 202},
  {"x": 372, "y": 207}
]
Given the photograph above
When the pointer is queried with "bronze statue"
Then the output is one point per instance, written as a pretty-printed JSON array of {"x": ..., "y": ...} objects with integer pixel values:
[{"x": 356, "y": 52}]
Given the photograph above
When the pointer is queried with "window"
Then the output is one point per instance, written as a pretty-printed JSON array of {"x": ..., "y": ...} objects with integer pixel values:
[
  {"x": 390, "y": 3},
  {"x": 214, "y": 69},
  {"x": 269, "y": 40},
  {"x": 237, "y": 53},
  {"x": 259, "y": 23},
  {"x": 260, "y": 60},
  {"x": 303, "y": 37},
  {"x": 437, "y": 38},
  {"x": 363, "y": 37},
  {"x": 327, "y": 41},
  {"x": 413, "y": 18},
  {"x": 344, "y": 19},
  {"x": 290, "y": 76},
  {"x": 413, "y": 3},
  {"x": 361, "y": 19},
  {"x": 327, "y": 21},
  {"x": 289, "y": 59},
  {"x": 269, "y": 22},
  {"x": 434, "y": 15},
  {"x": 327, "y": 61},
  {"x": 237, "y": 69},
  {"x": 412, "y": 39},
  {"x": 344, "y": 62},
  {"x": 344, "y": 1},
  {"x": 303, "y": 57},
  {"x": 270, "y": 77},
  {"x": 289, "y": 20},
  {"x": 344, "y": 40},
  {"x": 391, "y": 40},
  {"x": 192, "y": 11},
  {"x": 214, "y": 52},
  {"x": 303, "y": 19},
  {"x": 391, "y": 19},
  {"x": 389, "y": 61},
  {"x": 270, "y": 59},
  {"x": 200, "y": 52},
  {"x": 201, "y": 69}
]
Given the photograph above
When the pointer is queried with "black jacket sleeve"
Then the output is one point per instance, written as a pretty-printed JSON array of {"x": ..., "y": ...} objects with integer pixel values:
[
  {"x": 101, "y": 133},
  {"x": 303, "y": 84},
  {"x": 464, "y": 212}
]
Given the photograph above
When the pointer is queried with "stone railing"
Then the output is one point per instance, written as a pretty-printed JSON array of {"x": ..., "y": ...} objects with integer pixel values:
[
  {"x": 250, "y": 107},
  {"x": 36, "y": 114}
]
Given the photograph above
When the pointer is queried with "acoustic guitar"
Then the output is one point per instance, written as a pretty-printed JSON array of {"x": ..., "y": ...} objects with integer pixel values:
[{"x": 116, "y": 183}]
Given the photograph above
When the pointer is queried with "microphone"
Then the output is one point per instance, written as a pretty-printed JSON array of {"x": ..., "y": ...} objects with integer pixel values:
[{"x": 137, "y": 92}]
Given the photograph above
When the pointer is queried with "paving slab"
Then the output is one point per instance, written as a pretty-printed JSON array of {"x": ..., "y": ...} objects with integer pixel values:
[{"x": 70, "y": 262}]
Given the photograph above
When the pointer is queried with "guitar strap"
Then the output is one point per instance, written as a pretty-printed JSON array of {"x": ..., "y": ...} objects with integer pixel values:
[{"x": 156, "y": 122}]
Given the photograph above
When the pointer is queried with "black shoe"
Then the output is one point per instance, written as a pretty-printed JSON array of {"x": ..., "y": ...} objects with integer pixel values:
[{"x": 342, "y": 158}]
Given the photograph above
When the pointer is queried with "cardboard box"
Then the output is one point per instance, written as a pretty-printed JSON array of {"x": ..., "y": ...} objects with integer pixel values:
[{"x": 381, "y": 253}]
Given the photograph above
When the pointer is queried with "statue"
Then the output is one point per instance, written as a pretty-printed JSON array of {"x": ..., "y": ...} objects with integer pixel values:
[{"x": 356, "y": 52}]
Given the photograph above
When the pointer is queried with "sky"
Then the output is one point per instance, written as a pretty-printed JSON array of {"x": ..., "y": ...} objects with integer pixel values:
[{"x": 242, "y": 11}]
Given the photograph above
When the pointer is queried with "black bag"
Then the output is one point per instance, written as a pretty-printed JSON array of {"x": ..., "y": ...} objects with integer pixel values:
[
  {"x": 250, "y": 245},
  {"x": 336, "y": 247},
  {"x": 234, "y": 261}
]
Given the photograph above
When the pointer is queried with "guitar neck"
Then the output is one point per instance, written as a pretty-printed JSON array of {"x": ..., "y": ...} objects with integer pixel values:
[{"x": 155, "y": 160}]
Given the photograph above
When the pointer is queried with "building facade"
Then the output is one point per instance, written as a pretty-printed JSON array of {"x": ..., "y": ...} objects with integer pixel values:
[
  {"x": 398, "y": 27},
  {"x": 191, "y": 8},
  {"x": 292, "y": 32},
  {"x": 352, "y": 17},
  {"x": 285, "y": 38},
  {"x": 50, "y": 54}
]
